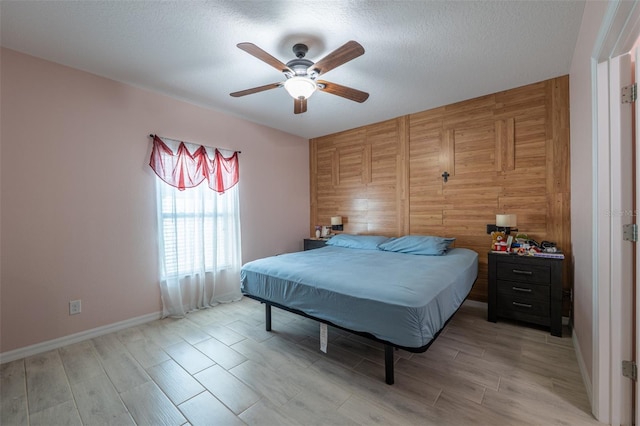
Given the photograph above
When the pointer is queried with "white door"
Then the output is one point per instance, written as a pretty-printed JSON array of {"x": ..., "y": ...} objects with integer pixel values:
[
  {"x": 617, "y": 258},
  {"x": 622, "y": 252},
  {"x": 613, "y": 321}
]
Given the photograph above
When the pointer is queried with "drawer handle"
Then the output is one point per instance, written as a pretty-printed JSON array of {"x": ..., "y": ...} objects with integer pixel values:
[
  {"x": 521, "y": 272},
  {"x": 523, "y": 290},
  {"x": 522, "y": 305}
]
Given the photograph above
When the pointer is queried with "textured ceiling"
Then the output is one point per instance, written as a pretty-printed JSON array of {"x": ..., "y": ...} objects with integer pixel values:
[{"x": 418, "y": 54}]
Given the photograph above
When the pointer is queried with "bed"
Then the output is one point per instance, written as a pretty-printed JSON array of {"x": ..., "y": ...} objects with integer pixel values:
[{"x": 400, "y": 299}]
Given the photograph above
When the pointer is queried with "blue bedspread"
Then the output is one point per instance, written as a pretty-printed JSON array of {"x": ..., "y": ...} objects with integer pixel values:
[{"x": 404, "y": 299}]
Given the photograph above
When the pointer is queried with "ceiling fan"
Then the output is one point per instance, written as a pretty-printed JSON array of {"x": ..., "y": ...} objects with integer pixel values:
[{"x": 302, "y": 75}]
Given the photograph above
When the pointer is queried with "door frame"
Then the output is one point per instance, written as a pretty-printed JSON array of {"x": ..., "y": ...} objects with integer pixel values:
[{"x": 618, "y": 33}]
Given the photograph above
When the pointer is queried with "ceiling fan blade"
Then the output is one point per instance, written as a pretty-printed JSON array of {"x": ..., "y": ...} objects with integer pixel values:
[
  {"x": 254, "y": 50},
  {"x": 350, "y": 50},
  {"x": 344, "y": 91},
  {"x": 299, "y": 105},
  {"x": 255, "y": 90}
]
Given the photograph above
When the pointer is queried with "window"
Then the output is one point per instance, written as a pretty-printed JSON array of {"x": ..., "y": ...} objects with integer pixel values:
[{"x": 198, "y": 226}]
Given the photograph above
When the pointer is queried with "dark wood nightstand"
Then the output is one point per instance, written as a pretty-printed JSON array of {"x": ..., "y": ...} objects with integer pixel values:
[
  {"x": 526, "y": 288},
  {"x": 310, "y": 244}
]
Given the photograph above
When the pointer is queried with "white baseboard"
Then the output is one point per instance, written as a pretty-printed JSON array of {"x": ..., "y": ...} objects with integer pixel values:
[
  {"x": 75, "y": 338},
  {"x": 583, "y": 369}
]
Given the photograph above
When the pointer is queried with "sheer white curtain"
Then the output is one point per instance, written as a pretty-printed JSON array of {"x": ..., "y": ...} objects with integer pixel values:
[{"x": 200, "y": 253}]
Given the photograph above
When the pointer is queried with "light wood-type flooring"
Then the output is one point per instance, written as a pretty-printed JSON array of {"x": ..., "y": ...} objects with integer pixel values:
[{"x": 220, "y": 367}]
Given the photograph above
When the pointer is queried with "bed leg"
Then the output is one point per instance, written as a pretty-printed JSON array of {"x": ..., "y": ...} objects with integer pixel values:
[
  {"x": 267, "y": 313},
  {"x": 388, "y": 364}
]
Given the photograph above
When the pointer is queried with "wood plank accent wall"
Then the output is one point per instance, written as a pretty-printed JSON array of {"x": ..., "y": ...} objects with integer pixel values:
[{"x": 505, "y": 153}]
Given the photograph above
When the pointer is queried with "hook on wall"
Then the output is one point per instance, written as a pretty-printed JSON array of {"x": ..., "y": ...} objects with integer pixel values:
[{"x": 445, "y": 176}]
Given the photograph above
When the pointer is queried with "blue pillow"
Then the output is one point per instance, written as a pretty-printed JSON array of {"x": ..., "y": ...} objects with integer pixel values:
[
  {"x": 418, "y": 244},
  {"x": 363, "y": 242}
]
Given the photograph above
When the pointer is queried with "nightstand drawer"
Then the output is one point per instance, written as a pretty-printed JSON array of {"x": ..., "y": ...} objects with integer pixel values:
[
  {"x": 510, "y": 306},
  {"x": 526, "y": 290},
  {"x": 524, "y": 272}
]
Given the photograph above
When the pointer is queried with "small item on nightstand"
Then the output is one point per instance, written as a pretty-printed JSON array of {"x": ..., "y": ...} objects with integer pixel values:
[
  {"x": 509, "y": 243},
  {"x": 318, "y": 231},
  {"x": 497, "y": 238},
  {"x": 548, "y": 247}
]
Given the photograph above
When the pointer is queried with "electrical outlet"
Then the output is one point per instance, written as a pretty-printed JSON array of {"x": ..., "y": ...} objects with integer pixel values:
[{"x": 75, "y": 307}]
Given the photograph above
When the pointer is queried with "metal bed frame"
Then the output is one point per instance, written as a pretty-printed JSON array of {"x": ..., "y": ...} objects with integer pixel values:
[{"x": 388, "y": 346}]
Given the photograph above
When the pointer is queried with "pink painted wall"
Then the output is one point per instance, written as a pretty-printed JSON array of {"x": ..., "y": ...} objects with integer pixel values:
[
  {"x": 78, "y": 198},
  {"x": 582, "y": 178}
]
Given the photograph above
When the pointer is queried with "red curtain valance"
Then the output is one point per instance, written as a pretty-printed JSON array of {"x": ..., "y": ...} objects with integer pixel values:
[{"x": 185, "y": 170}]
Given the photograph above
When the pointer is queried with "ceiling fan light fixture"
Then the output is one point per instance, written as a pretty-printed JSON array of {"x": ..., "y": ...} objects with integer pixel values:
[
  {"x": 301, "y": 74},
  {"x": 300, "y": 87}
]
